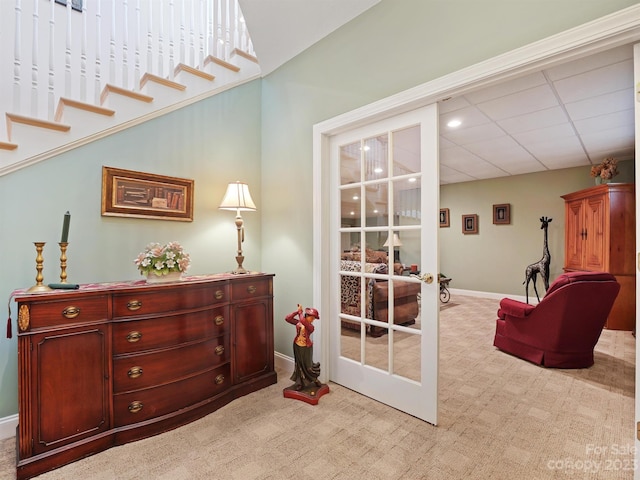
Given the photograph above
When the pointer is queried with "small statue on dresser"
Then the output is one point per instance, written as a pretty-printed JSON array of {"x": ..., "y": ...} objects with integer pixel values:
[{"x": 307, "y": 387}]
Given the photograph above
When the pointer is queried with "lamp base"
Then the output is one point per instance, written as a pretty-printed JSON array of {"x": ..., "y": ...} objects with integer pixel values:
[{"x": 240, "y": 270}]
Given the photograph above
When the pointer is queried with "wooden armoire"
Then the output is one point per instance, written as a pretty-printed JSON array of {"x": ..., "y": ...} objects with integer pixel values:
[{"x": 600, "y": 236}]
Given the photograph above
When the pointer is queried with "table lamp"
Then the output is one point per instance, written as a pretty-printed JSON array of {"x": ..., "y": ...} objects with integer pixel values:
[{"x": 239, "y": 199}]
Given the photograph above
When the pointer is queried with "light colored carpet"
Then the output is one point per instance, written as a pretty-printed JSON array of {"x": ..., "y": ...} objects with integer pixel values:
[{"x": 500, "y": 418}]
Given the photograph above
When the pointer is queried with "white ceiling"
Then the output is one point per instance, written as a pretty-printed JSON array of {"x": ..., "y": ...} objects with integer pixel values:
[{"x": 571, "y": 115}]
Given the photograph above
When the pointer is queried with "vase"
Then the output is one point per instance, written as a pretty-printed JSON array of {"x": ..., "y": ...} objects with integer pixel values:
[
  {"x": 169, "y": 277},
  {"x": 598, "y": 180}
]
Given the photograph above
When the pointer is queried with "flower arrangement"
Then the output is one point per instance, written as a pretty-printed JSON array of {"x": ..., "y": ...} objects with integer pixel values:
[
  {"x": 161, "y": 260},
  {"x": 606, "y": 170}
]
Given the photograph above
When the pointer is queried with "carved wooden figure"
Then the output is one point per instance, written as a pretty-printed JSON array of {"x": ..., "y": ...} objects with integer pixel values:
[{"x": 542, "y": 265}]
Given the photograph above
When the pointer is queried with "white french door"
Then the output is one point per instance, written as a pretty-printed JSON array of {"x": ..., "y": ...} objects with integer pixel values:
[{"x": 384, "y": 218}]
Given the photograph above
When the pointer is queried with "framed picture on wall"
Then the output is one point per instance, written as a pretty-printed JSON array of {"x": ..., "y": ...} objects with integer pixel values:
[
  {"x": 444, "y": 217},
  {"x": 126, "y": 193},
  {"x": 502, "y": 214},
  {"x": 470, "y": 223}
]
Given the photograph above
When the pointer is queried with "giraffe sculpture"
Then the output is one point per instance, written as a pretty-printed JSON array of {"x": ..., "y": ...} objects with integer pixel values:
[{"x": 541, "y": 266}]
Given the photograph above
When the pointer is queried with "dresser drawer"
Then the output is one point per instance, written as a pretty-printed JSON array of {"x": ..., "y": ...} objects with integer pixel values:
[
  {"x": 139, "y": 335},
  {"x": 142, "y": 405},
  {"x": 168, "y": 299},
  {"x": 68, "y": 311},
  {"x": 134, "y": 372},
  {"x": 247, "y": 289}
]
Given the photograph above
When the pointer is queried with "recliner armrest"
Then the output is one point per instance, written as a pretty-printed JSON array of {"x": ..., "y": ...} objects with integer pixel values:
[{"x": 514, "y": 308}]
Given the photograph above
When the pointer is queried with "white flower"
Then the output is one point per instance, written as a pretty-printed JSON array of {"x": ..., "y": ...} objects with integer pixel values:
[{"x": 162, "y": 259}]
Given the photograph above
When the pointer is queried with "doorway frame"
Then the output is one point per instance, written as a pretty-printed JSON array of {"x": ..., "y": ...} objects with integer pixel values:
[{"x": 614, "y": 30}]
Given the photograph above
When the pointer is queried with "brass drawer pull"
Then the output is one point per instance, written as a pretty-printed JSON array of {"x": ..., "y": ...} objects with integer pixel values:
[
  {"x": 219, "y": 379},
  {"x": 134, "y": 305},
  {"x": 133, "y": 337},
  {"x": 219, "y": 294},
  {"x": 219, "y": 320},
  {"x": 251, "y": 289},
  {"x": 219, "y": 350},
  {"x": 135, "y": 407},
  {"x": 71, "y": 312},
  {"x": 134, "y": 372}
]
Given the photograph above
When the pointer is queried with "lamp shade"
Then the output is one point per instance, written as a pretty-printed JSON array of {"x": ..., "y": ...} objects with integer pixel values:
[
  {"x": 396, "y": 241},
  {"x": 238, "y": 198}
]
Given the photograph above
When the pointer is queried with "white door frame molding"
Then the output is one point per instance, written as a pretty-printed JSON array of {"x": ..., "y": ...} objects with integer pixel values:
[{"x": 619, "y": 28}]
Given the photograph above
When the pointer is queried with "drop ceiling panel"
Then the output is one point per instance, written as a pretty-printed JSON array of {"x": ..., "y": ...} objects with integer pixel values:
[
  {"x": 596, "y": 82},
  {"x": 533, "y": 121},
  {"x": 528, "y": 101},
  {"x": 603, "y": 104}
]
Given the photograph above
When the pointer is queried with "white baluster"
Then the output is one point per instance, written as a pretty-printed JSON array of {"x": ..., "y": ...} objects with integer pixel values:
[
  {"x": 210, "y": 28},
  {"x": 16, "y": 58},
  {"x": 112, "y": 45},
  {"x": 219, "y": 30},
  {"x": 67, "y": 56},
  {"x": 161, "y": 42},
  {"x": 172, "y": 65},
  {"x": 182, "y": 58},
  {"x": 150, "y": 38},
  {"x": 98, "y": 74},
  {"x": 34, "y": 62},
  {"x": 136, "y": 70},
  {"x": 225, "y": 29},
  {"x": 52, "y": 72},
  {"x": 201, "y": 54},
  {"x": 235, "y": 20},
  {"x": 125, "y": 44},
  {"x": 83, "y": 55},
  {"x": 192, "y": 36}
]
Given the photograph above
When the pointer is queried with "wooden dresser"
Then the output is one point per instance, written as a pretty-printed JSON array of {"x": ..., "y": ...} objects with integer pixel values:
[
  {"x": 600, "y": 236},
  {"x": 112, "y": 363}
]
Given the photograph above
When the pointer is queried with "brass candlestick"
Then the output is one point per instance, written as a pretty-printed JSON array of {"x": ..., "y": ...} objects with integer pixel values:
[
  {"x": 39, "y": 286},
  {"x": 63, "y": 261}
]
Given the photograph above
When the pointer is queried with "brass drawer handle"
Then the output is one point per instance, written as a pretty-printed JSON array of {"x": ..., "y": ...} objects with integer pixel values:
[
  {"x": 219, "y": 350},
  {"x": 134, "y": 372},
  {"x": 135, "y": 407},
  {"x": 71, "y": 312},
  {"x": 133, "y": 337},
  {"x": 219, "y": 320},
  {"x": 219, "y": 294},
  {"x": 219, "y": 379},
  {"x": 134, "y": 305},
  {"x": 251, "y": 289}
]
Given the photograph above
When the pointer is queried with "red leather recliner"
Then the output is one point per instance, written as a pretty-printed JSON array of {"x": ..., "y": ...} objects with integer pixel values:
[{"x": 563, "y": 329}]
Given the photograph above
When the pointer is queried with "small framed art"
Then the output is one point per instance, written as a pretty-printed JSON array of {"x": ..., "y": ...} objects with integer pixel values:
[
  {"x": 444, "y": 217},
  {"x": 470, "y": 223},
  {"x": 502, "y": 214},
  {"x": 126, "y": 193}
]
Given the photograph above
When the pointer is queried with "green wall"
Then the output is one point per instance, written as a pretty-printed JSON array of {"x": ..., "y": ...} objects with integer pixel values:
[
  {"x": 396, "y": 45},
  {"x": 214, "y": 142},
  {"x": 495, "y": 259}
]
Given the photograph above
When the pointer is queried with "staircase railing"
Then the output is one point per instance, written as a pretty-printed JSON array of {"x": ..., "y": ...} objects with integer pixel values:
[{"x": 58, "y": 51}]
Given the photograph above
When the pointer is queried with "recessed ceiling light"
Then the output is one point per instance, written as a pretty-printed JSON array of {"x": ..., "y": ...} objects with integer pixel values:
[
  {"x": 412, "y": 179},
  {"x": 378, "y": 170},
  {"x": 454, "y": 123},
  {"x": 353, "y": 213},
  {"x": 356, "y": 197},
  {"x": 375, "y": 211}
]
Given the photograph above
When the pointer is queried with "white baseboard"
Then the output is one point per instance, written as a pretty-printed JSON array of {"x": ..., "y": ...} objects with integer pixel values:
[
  {"x": 492, "y": 295},
  {"x": 8, "y": 426},
  {"x": 283, "y": 362}
]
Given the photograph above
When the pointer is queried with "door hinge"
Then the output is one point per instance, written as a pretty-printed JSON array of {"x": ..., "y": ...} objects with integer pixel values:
[{"x": 638, "y": 429}]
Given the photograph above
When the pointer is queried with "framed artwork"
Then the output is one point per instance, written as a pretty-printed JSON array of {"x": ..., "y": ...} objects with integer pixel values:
[
  {"x": 470, "y": 223},
  {"x": 444, "y": 217},
  {"x": 502, "y": 214},
  {"x": 126, "y": 193}
]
